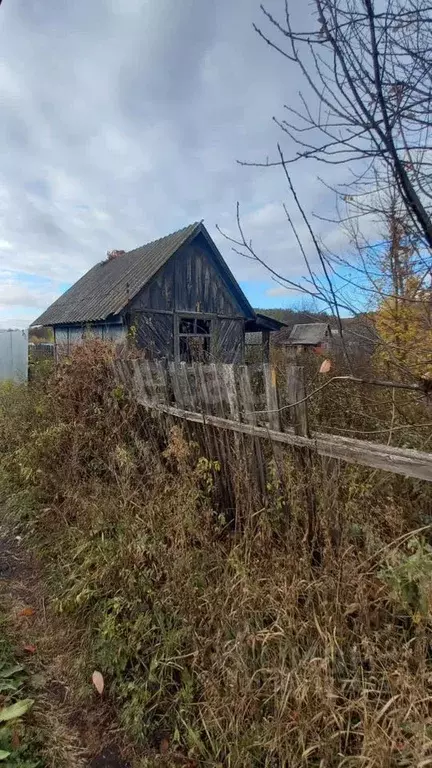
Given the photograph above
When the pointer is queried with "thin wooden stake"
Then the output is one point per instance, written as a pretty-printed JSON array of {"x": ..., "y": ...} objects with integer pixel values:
[
  {"x": 172, "y": 371},
  {"x": 228, "y": 378},
  {"x": 248, "y": 408},
  {"x": 269, "y": 374},
  {"x": 272, "y": 403},
  {"x": 212, "y": 443},
  {"x": 296, "y": 394},
  {"x": 223, "y": 440},
  {"x": 160, "y": 378}
]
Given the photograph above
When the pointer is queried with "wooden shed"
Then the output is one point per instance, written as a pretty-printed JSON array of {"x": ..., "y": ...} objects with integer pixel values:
[
  {"x": 305, "y": 336},
  {"x": 176, "y": 293}
]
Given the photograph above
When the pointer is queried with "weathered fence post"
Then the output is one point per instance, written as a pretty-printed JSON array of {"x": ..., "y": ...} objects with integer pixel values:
[
  {"x": 273, "y": 413},
  {"x": 296, "y": 392},
  {"x": 249, "y": 415}
]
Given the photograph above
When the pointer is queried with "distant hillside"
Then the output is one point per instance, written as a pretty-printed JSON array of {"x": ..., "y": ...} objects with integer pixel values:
[{"x": 293, "y": 316}]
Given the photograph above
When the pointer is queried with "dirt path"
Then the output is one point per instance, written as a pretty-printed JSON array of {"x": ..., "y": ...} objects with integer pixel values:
[{"x": 72, "y": 734}]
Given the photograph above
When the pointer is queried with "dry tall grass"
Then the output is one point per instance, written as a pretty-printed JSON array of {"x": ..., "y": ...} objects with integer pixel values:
[
  {"x": 220, "y": 638},
  {"x": 377, "y": 414}
]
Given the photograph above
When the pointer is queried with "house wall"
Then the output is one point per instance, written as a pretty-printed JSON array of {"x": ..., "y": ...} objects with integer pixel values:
[
  {"x": 190, "y": 283},
  {"x": 230, "y": 340},
  {"x": 66, "y": 335},
  {"x": 155, "y": 334},
  {"x": 199, "y": 285}
]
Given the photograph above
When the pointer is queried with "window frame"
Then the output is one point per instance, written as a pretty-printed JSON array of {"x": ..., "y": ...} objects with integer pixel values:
[{"x": 195, "y": 318}]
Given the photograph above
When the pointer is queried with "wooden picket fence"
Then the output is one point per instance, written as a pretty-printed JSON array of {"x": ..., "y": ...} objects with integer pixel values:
[{"x": 258, "y": 402}]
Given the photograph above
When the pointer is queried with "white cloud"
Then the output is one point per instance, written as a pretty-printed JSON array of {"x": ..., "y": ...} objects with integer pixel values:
[
  {"x": 268, "y": 215},
  {"x": 280, "y": 291},
  {"x": 15, "y": 291}
]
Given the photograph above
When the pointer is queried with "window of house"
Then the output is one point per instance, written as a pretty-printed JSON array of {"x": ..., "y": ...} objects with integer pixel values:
[{"x": 194, "y": 339}]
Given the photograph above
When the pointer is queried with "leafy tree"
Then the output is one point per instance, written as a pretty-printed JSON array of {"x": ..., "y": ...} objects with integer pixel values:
[{"x": 404, "y": 316}]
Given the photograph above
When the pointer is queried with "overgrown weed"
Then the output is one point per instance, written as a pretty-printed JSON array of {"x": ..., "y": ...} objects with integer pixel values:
[{"x": 220, "y": 641}]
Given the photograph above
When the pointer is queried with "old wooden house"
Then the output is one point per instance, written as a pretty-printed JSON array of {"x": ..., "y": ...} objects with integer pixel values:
[{"x": 176, "y": 295}]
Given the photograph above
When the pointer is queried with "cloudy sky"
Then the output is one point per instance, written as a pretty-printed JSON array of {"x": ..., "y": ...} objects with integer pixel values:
[{"x": 121, "y": 121}]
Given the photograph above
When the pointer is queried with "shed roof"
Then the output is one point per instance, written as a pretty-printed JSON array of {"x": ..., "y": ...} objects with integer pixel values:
[
  {"x": 108, "y": 287},
  {"x": 260, "y": 323},
  {"x": 309, "y": 333},
  {"x": 263, "y": 323}
]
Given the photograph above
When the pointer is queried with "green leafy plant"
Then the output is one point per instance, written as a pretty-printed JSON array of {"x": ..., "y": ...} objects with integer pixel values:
[
  {"x": 409, "y": 576},
  {"x": 206, "y": 469},
  {"x": 10, "y": 677},
  {"x": 16, "y": 743},
  {"x": 15, "y": 711}
]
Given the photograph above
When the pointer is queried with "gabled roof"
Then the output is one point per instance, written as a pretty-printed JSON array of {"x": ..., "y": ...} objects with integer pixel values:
[
  {"x": 309, "y": 333},
  {"x": 303, "y": 334},
  {"x": 108, "y": 287}
]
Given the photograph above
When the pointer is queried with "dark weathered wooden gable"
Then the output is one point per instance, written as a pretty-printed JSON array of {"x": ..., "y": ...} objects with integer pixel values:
[
  {"x": 192, "y": 281},
  {"x": 200, "y": 284}
]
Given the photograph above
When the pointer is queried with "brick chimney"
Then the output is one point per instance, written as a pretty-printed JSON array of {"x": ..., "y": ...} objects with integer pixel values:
[{"x": 114, "y": 254}]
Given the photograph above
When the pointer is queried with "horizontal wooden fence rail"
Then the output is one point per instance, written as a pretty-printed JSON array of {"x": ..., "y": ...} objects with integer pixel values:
[{"x": 248, "y": 400}]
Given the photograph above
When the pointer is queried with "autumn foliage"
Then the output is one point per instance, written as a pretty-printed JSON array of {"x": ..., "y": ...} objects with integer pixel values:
[{"x": 404, "y": 314}]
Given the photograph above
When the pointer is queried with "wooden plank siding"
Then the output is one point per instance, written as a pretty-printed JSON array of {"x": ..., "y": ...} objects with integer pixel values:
[
  {"x": 189, "y": 283},
  {"x": 65, "y": 337},
  {"x": 199, "y": 285},
  {"x": 155, "y": 334},
  {"x": 229, "y": 340}
]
